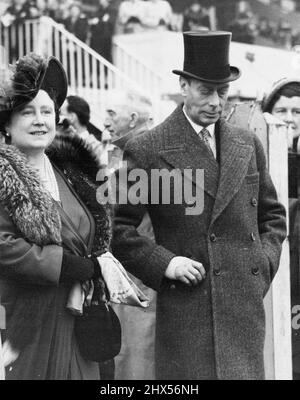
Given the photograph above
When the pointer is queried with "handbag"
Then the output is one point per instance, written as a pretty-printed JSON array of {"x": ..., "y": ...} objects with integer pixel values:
[{"x": 98, "y": 331}]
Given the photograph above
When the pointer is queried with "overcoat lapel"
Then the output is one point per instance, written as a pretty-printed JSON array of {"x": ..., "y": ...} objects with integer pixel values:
[
  {"x": 235, "y": 157},
  {"x": 183, "y": 149}
]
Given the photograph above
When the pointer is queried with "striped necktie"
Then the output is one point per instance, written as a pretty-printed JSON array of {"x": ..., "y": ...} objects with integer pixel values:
[{"x": 204, "y": 135}]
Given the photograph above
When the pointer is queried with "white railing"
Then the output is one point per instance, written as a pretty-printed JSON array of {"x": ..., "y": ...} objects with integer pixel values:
[
  {"x": 89, "y": 74},
  {"x": 19, "y": 39},
  {"x": 137, "y": 70}
]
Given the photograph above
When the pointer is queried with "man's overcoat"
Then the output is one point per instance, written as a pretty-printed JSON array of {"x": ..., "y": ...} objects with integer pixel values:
[{"x": 216, "y": 329}]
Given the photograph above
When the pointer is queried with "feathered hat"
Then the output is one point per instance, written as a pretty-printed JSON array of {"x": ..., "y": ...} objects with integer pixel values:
[{"x": 30, "y": 74}]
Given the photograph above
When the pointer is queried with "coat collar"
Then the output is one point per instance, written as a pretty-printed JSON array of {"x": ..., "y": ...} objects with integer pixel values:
[
  {"x": 236, "y": 154},
  {"x": 183, "y": 149},
  {"x": 121, "y": 141},
  {"x": 30, "y": 206}
]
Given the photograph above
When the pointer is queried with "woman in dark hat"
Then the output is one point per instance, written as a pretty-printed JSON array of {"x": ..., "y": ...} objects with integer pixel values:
[
  {"x": 283, "y": 101},
  {"x": 47, "y": 232}
]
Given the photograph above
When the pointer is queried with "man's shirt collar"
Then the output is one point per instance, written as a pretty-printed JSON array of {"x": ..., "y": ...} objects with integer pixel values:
[{"x": 197, "y": 128}]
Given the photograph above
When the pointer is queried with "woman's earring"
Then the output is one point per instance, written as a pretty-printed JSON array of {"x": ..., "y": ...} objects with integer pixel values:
[{"x": 7, "y": 138}]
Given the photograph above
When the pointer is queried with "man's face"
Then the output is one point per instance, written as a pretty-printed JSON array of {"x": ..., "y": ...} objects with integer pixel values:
[
  {"x": 204, "y": 102},
  {"x": 117, "y": 120},
  {"x": 288, "y": 110}
]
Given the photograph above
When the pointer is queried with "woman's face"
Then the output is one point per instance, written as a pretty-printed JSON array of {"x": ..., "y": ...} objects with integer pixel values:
[
  {"x": 287, "y": 109},
  {"x": 32, "y": 128}
]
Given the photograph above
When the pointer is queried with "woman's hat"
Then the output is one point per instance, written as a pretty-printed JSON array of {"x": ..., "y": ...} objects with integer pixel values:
[
  {"x": 269, "y": 98},
  {"x": 206, "y": 57},
  {"x": 31, "y": 74}
]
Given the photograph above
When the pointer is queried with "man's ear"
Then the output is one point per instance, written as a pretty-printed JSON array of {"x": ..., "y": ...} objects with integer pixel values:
[
  {"x": 183, "y": 85},
  {"x": 134, "y": 117}
]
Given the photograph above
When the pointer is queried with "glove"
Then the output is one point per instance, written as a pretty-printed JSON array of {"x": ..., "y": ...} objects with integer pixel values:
[
  {"x": 76, "y": 268},
  {"x": 97, "y": 268}
]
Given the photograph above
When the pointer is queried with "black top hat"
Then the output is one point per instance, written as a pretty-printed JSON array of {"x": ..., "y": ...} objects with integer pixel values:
[
  {"x": 30, "y": 74},
  {"x": 206, "y": 57}
]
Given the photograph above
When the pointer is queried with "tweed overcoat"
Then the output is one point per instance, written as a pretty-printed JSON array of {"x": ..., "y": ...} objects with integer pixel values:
[{"x": 216, "y": 329}]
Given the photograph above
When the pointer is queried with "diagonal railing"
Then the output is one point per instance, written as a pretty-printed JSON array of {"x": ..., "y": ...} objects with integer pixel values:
[{"x": 89, "y": 74}]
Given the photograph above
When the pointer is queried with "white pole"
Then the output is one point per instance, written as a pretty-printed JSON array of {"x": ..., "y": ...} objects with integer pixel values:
[
  {"x": 28, "y": 36},
  {"x": 278, "y": 352},
  {"x": 2, "y": 326}
]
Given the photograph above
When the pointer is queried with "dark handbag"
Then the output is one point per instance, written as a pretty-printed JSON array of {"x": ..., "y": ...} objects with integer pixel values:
[{"x": 98, "y": 332}]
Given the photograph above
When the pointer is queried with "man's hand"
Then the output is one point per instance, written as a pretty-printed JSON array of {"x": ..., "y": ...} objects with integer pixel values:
[{"x": 186, "y": 270}]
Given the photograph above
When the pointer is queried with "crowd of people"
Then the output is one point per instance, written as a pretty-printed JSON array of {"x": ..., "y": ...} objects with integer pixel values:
[
  {"x": 251, "y": 29},
  {"x": 96, "y": 24}
]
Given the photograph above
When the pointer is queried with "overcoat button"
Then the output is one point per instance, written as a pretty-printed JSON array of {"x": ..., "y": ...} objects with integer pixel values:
[
  {"x": 254, "y": 202},
  {"x": 217, "y": 272},
  {"x": 255, "y": 270},
  {"x": 213, "y": 237},
  {"x": 173, "y": 286},
  {"x": 252, "y": 236}
]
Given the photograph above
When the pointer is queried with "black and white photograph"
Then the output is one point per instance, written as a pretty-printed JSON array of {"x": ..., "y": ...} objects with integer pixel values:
[{"x": 149, "y": 193}]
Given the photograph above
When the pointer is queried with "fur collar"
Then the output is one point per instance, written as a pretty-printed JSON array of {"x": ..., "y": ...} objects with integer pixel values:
[
  {"x": 70, "y": 151},
  {"x": 79, "y": 163},
  {"x": 30, "y": 207}
]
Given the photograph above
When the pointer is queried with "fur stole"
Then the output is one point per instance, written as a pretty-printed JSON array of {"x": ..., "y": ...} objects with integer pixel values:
[
  {"x": 78, "y": 162},
  {"x": 29, "y": 205},
  {"x": 35, "y": 214}
]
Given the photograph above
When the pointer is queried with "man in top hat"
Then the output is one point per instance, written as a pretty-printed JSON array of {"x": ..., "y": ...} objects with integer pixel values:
[{"x": 211, "y": 264}]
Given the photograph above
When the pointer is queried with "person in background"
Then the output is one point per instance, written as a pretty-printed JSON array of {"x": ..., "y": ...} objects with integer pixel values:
[
  {"x": 242, "y": 28},
  {"x": 130, "y": 9},
  {"x": 75, "y": 114},
  {"x": 129, "y": 115},
  {"x": 133, "y": 25},
  {"x": 103, "y": 28},
  {"x": 283, "y": 101},
  {"x": 158, "y": 15},
  {"x": 76, "y": 22},
  {"x": 13, "y": 19},
  {"x": 50, "y": 226},
  {"x": 195, "y": 18}
]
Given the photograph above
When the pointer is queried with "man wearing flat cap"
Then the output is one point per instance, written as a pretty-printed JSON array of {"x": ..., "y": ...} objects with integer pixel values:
[{"x": 211, "y": 268}]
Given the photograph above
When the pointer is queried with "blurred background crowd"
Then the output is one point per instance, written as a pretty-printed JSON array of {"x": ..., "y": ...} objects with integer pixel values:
[{"x": 272, "y": 23}]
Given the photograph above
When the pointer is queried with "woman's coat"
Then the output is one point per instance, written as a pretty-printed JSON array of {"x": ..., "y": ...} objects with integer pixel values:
[{"x": 30, "y": 264}]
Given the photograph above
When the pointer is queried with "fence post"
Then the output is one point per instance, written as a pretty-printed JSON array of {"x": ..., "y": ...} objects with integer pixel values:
[
  {"x": 278, "y": 352},
  {"x": 2, "y": 326},
  {"x": 43, "y": 42}
]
